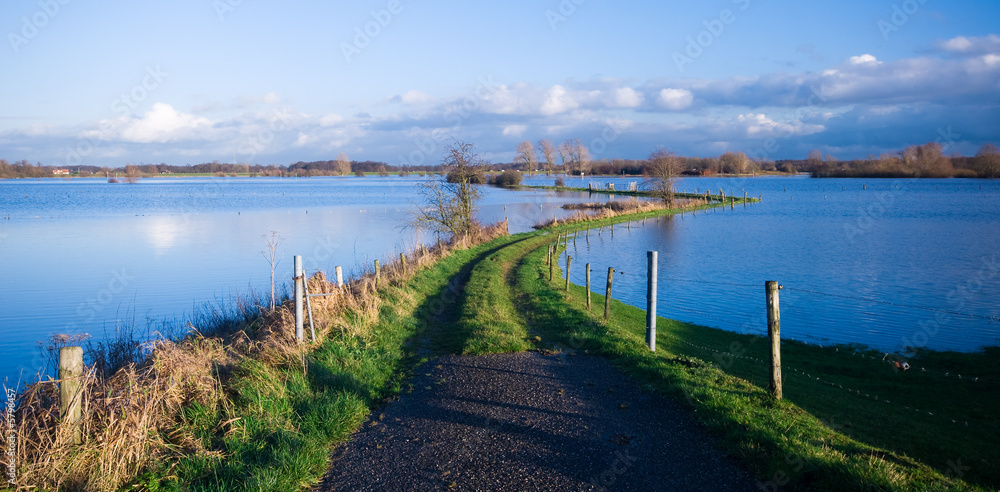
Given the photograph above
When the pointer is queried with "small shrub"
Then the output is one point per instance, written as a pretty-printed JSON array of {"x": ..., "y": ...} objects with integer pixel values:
[
  {"x": 508, "y": 178},
  {"x": 560, "y": 182}
]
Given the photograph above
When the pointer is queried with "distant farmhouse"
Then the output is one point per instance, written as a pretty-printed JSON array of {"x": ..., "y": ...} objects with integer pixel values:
[{"x": 59, "y": 172}]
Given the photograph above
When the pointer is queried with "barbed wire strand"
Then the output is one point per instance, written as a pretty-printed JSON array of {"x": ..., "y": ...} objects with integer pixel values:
[{"x": 869, "y": 396}]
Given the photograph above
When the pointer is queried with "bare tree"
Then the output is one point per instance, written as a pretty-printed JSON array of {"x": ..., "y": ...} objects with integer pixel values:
[
  {"x": 566, "y": 152},
  {"x": 132, "y": 173},
  {"x": 450, "y": 204},
  {"x": 735, "y": 162},
  {"x": 581, "y": 155},
  {"x": 927, "y": 161},
  {"x": 549, "y": 152},
  {"x": 271, "y": 242},
  {"x": 343, "y": 164},
  {"x": 663, "y": 168},
  {"x": 526, "y": 156},
  {"x": 987, "y": 161}
]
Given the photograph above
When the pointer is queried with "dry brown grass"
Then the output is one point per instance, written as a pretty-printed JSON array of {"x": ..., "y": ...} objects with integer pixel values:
[
  {"x": 133, "y": 418},
  {"x": 605, "y": 210}
]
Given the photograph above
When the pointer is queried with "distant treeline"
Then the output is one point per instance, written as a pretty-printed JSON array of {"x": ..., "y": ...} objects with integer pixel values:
[{"x": 918, "y": 161}]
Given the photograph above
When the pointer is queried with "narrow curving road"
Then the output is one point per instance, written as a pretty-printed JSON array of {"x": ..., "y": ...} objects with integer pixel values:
[{"x": 528, "y": 421}]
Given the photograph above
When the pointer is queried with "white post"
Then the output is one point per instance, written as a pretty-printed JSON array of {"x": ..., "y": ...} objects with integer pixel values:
[
  {"x": 651, "y": 301},
  {"x": 298, "y": 297},
  {"x": 340, "y": 276}
]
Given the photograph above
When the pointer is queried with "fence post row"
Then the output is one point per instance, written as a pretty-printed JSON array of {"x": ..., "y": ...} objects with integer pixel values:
[
  {"x": 651, "y": 257},
  {"x": 298, "y": 279},
  {"x": 774, "y": 334},
  {"x": 71, "y": 388}
]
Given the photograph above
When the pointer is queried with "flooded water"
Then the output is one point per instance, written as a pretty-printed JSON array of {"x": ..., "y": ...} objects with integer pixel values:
[
  {"x": 86, "y": 255},
  {"x": 893, "y": 264}
]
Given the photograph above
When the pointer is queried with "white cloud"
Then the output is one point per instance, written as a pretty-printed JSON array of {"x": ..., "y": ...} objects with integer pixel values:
[
  {"x": 761, "y": 126},
  {"x": 972, "y": 45},
  {"x": 330, "y": 119},
  {"x": 676, "y": 99},
  {"x": 558, "y": 100},
  {"x": 412, "y": 97},
  {"x": 163, "y": 124},
  {"x": 865, "y": 59},
  {"x": 627, "y": 97},
  {"x": 514, "y": 130},
  {"x": 271, "y": 98}
]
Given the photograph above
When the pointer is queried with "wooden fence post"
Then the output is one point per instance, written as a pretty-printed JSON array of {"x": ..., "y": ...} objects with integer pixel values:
[
  {"x": 569, "y": 260},
  {"x": 340, "y": 276},
  {"x": 588, "y": 286},
  {"x": 651, "y": 300},
  {"x": 298, "y": 279},
  {"x": 774, "y": 334},
  {"x": 71, "y": 388},
  {"x": 552, "y": 264},
  {"x": 607, "y": 293},
  {"x": 376, "y": 273},
  {"x": 402, "y": 261}
]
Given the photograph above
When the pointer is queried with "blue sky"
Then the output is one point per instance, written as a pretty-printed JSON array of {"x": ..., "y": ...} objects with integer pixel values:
[{"x": 186, "y": 81}]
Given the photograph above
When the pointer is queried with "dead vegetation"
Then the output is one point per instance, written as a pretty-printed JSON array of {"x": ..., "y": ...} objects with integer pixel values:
[
  {"x": 133, "y": 417},
  {"x": 603, "y": 210}
]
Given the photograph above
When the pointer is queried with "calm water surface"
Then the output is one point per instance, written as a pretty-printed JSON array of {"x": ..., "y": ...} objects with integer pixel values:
[
  {"x": 87, "y": 256},
  {"x": 869, "y": 251}
]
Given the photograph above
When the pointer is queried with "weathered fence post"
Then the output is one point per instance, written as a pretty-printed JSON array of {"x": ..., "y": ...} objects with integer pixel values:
[
  {"x": 552, "y": 262},
  {"x": 440, "y": 246},
  {"x": 774, "y": 334},
  {"x": 588, "y": 286},
  {"x": 340, "y": 276},
  {"x": 569, "y": 260},
  {"x": 402, "y": 261},
  {"x": 651, "y": 300},
  {"x": 423, "y": 250},
  {"x": 298, "y": 278},
  {"x": 71, "y": 388},
  {"x": 607, "y": 293},
  {"x": 377, "y": 272}
]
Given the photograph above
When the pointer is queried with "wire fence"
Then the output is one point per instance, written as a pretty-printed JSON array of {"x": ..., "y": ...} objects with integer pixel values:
[{"x": 735, "y": 349}]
